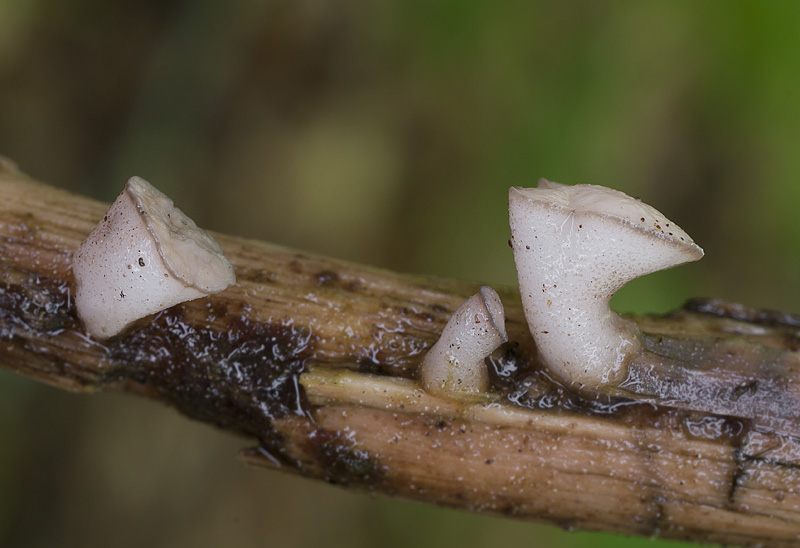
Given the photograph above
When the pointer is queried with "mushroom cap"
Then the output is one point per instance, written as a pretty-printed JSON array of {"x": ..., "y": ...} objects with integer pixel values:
[
  {"x": 144, "y": 256},
  {"x": 495, "y": 311},
  {"x": 189, "y": 252},
  {"x": 612, "y": 204},
  {"x": 592, "y": 231}
]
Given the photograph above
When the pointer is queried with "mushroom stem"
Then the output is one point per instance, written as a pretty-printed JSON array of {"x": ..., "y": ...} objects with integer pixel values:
[
  {"x": 455, "y": 367},
  {"x": 145, "y": 255},
  {"x": 574, "y": 247}
]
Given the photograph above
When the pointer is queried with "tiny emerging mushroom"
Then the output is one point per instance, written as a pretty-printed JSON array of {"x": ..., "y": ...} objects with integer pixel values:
[
  {"x": 145, "y": 256},
  {"x": 574, "y": 247},
  {"x": 455, "y": 366}
]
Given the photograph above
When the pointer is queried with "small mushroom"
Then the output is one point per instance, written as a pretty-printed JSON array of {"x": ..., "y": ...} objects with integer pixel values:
[
  {"x": 455, "y": 366},
  {"x": 574, "y": 247},
  {"x": 145, "y": 255}
]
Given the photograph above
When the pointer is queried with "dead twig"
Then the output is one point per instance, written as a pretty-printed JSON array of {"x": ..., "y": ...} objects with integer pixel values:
[{"x": 316, "y": 360}]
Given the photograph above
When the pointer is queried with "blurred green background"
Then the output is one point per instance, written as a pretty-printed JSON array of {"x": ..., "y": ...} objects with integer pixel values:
[{"x": 385, "y": 133}]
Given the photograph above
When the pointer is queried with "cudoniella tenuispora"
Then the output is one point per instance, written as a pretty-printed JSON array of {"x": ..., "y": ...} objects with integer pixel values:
[
  {"x": 145, "y": 256},
  {"x": 574, "y": 247},
  {"x": 455, "y": 367}
]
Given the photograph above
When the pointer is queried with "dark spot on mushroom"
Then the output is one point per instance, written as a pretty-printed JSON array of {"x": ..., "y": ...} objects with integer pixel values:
[{"x": 141, "y": 261}]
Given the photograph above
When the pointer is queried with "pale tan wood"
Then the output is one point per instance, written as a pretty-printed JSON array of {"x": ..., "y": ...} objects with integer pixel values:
[{"x": 316, "y": 359}]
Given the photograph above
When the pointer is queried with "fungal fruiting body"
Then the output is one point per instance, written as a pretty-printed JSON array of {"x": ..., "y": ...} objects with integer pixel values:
[
  {"x": 574, "y": 247},
  {"x": 145, "y": 256},
  {"x": 455, "y": 366}
]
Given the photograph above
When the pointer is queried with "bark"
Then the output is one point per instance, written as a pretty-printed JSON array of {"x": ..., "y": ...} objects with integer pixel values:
[{"x": 315, "y": 359}]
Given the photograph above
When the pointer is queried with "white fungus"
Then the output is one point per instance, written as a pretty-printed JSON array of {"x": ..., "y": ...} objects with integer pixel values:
[
  {"x": 455, "y": 366},
  {"x": 574, "y": 247},
  {"x": 145, "y": 255}
]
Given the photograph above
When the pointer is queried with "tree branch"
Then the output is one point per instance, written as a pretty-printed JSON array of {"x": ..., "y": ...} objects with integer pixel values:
[{"x": 316, "y": 359}]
